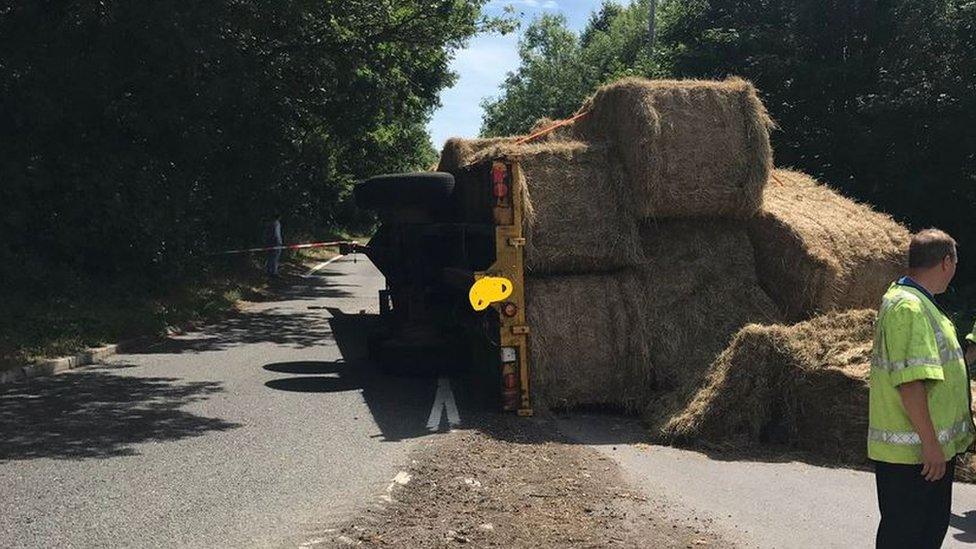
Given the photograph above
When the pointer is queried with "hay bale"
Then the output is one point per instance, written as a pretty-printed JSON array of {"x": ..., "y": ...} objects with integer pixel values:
[
  {"x": 817, "y": 251},
  {"x": 459, "y": 152},
  {"x": 575, "y": 223},
  {"x": 691, "y": 148},
  {"x": 700, "y": 288},
  {"x": 573, "y": 220},
  {"x": 804, "y": 386},
  {"x": 966, "y": 468},
  {"x": 585, "y": 345}
]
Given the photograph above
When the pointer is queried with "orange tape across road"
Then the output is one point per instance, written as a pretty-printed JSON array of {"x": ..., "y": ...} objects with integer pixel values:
[{"x": 285, "y": 247}]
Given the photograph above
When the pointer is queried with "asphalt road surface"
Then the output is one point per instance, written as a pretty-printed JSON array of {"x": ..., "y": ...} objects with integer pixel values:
[
  {"x": 762, "y": 504},
  {"x": 254, "y": 432}
]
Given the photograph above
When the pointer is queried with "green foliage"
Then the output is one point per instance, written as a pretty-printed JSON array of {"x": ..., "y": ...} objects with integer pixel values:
[
  {"x": 548, "y": 81},
  {"x": 559, "y": 70},
  {"x": 138, "y": 136},
  {"x": 876, "y": 98}
]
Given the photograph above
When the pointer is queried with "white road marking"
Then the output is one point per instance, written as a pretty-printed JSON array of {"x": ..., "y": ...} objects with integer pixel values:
[
  {"x": 443, "y": 401},
  {"x": 316, "y": 268}
]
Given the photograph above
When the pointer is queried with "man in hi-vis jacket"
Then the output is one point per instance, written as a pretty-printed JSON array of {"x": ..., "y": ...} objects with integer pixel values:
[{"x": 919, "y": 417}]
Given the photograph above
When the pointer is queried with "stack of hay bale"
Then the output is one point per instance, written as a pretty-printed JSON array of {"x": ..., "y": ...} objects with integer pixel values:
[
  {"x": 825, "y": 260},
  {"x": 659, "y": 233},
  {"x": 695, "y": 157},
  {"x": 579, "y": 255}
]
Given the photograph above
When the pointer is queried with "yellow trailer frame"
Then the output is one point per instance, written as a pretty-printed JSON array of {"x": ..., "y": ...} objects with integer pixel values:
[{"x": 510, "y": 263}]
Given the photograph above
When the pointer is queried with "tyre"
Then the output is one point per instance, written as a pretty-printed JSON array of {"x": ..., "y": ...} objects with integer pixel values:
[{"x": 422, "y": 189}]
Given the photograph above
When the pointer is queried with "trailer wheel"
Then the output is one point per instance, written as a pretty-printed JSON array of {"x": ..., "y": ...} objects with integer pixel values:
[{"x": 422, "y": 189}]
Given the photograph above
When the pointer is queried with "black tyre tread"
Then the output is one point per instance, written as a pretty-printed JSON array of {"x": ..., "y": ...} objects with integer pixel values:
[{"x": 423, "y": 189}]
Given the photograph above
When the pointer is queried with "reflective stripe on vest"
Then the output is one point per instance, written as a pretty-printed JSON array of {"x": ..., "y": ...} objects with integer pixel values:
[
  {"x": 945, "y": 353},
  {"x": 911, "y": 438}
]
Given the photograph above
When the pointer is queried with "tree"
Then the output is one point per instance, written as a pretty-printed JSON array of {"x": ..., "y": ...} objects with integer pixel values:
[
  {"x": 550, "y": 81},
  {"x": 875, "y": 98},
  {"x": 139, "y": 136},
  {"x": 559, "y": 70}
]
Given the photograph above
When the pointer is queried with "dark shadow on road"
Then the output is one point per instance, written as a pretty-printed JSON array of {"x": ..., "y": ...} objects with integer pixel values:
[
  {"x": 587, "y": 427},
  {"x": 267, "y": 323},
  {"x": 322, "y": 384},
  {"x": 319, "y": 286},
  {"x": 400, "y": 405},
  {"x": 306, "y": 367},
  {"x": 272, "y": 325},
  {"x": 293, "y": 285},
  {"x": 966, "y": 523},
  {"x": 602, "y": 428},
  {"x": 93, "y": 413}
]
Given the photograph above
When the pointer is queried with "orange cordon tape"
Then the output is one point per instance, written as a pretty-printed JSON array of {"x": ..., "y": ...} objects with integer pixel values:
[
  {"x": 288, "y": 247},
  {"x": 547, "y": 129}
]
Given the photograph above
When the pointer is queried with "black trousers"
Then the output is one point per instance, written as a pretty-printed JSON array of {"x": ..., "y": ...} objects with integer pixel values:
[{"x": 914, "y": 512}]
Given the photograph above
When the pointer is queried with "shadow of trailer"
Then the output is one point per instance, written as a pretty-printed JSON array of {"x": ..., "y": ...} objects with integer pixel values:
[{"x": 439, "y": 233}]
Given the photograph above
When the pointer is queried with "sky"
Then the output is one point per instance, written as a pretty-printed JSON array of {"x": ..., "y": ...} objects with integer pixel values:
[{"x": 483, "y": 64}]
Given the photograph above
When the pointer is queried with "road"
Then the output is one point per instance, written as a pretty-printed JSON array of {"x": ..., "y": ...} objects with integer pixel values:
[
  {"x": 756, "y": 503},
  {"x": 252, "y": 432}
]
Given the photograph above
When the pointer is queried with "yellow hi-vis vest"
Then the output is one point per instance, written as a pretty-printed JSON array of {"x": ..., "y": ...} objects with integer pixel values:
[{"x": 915, "y": 341}]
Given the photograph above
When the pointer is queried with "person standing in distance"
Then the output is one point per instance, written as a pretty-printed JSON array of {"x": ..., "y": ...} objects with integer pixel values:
[
  {"x": 274, "y": 239},
  {"x": 919, "y": 416}
]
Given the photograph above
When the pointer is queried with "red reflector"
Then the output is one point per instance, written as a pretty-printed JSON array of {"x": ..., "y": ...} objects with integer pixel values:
[
  {"x": 510, "y": 382},
  {"x": 498, "y": 173},
  {"x": 509, "y": 309},
  {"x": 500, "y": 190}
]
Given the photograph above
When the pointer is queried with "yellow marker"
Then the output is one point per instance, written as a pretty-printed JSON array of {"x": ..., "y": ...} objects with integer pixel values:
[{"x": 489, "y": 290}]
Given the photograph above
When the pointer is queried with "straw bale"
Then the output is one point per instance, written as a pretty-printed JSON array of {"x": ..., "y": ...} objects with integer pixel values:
[
  {"x": 573, "y": 220},
  {"x": 459, "y": 152},
  {"x": 575, "y": 223},
  {"x": 966, "y": 468},
  {"x": 818, "y": 251},
  {"x": 700, "y": 288},
  {"x": 586, "y": 345},
  {"x": 803, "y": 385},
  {"x": 691, "y": 148}
]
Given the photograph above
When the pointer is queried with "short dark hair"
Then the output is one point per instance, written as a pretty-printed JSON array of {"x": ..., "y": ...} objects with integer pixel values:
[{"x": 929, "y": 247}]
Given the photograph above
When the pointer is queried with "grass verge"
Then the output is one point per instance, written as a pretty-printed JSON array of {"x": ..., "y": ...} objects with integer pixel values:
[{"x": 95, "y": 314}]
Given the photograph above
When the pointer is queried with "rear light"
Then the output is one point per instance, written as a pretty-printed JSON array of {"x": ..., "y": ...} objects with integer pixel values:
[
  {"x": 509, "y": 379},
  {"x": 500, "y": 190},
  {"x": 509, "y": 309},
  {"x": 499, "y": 174},
  {"x": 510, "y": 389}
]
